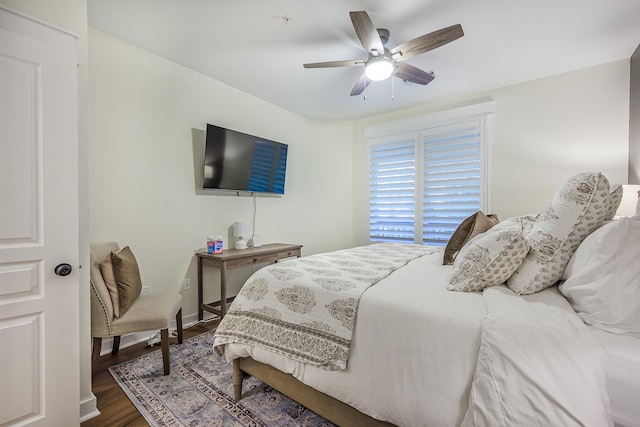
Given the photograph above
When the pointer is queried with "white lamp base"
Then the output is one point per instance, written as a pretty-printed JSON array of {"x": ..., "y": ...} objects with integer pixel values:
[{"x": 241, "y": 244}]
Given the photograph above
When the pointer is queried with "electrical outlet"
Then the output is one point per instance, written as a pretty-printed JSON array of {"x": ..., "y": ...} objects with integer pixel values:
[
  {"x": 145, "y": 290},
  {"x": 186, "y": 284}
]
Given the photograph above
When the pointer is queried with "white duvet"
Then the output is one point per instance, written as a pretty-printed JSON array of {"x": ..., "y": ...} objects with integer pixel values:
[{"x": 415, "y": 352}]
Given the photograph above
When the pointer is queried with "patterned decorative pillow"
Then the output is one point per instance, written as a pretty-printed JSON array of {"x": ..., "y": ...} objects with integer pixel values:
[
  {"x": 578, "y": 208},
  {"x": 467, "y": 230},
  {"x": 490, "y": 258},
  {"x": 528, "y": 221},
  {"x": 615, "y": 198}
]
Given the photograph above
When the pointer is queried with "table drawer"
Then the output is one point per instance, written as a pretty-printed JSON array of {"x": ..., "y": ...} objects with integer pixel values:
[
  {"x": 288, "y": 254},
  {"x": 265, "y": 258},
  {"x": 255, "y": 259}
]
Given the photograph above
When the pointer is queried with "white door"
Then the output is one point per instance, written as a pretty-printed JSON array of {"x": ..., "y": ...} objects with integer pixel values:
[{"x": 39, "y": 350}]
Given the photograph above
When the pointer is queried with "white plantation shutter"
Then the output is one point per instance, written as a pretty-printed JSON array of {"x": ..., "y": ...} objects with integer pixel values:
[
  {"x": 427, "y": 174},
  {"x": 451, "y": 179},
  {"x": 392, "y": 189}
]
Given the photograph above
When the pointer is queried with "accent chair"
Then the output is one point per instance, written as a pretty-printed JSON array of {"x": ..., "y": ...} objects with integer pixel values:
[{"x": 117, "y": 306}]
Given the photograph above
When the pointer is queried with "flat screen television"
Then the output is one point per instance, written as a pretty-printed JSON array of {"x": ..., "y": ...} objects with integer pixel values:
[{"x": 236, "y": 161}]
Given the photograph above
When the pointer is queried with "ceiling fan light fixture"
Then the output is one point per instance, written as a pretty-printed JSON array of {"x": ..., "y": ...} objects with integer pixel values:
[{"x": 379, "y": 68}]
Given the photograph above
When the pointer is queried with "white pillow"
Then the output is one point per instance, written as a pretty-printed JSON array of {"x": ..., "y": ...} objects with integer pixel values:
[
  {"x": 489, "y": 258},
  {"x": 615, "y": 198},
  {"x": 578, "y": 208},
  {"x": 603, "y": 278}
]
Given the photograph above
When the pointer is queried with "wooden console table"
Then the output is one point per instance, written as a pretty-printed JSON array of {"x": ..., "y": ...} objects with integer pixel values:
[{"x": 231, "y": 258}]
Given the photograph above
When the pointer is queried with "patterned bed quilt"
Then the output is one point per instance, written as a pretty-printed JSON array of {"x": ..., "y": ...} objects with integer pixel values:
[{"x": 305, "y": 308}]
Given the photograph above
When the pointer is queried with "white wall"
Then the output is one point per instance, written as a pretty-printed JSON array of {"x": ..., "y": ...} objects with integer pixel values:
[
  {"x": 546, "y": 130},
  {"x": 146, "y": 116},
  {"x": 68, "y": 14}
]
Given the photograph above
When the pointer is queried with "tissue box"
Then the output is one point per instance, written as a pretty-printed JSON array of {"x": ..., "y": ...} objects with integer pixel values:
[{"x": 214, "y": 245}]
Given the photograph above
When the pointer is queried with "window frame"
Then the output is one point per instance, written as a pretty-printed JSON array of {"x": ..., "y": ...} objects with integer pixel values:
[{"x": 483, "y": 112}]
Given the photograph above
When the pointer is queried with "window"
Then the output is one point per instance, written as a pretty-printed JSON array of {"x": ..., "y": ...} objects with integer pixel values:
[
  {"x": 434, "y": 168},
  {"x": 392, "y": 188}
]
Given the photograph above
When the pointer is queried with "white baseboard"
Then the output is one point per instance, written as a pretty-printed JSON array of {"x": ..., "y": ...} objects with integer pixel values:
[
  {"x": 88, "y": 408},
  {"x": 132, "y": 339}
]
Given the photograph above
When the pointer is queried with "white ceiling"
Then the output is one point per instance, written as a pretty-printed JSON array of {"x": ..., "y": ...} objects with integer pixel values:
[{"x": 248, "y": 45}]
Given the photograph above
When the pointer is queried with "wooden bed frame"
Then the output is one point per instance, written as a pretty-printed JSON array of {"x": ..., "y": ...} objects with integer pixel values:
[{"x": 332, "y": 409}]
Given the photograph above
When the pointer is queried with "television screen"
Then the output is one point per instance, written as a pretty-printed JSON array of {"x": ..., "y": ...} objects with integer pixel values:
[{"x": 236, "y": 161}]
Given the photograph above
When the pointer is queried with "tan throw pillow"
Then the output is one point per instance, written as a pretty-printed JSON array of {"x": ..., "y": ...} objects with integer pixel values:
[
  {"x": 467, "y": 230},
  {"x": 106, "y": 269},
  {"x": 127, "y": 274}
]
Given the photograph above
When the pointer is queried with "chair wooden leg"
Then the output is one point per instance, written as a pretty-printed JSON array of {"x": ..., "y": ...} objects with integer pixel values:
[
  {"x": 179, "y": 325},
  {"x": 116, "y": 345},
  {"x": 164, "y": 339},
  {"x": 95, "y": 353}
]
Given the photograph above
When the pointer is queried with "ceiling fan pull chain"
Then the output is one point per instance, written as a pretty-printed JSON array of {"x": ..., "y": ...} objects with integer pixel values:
[
  {"x": 365, "y": 88},
  {"x": 393, "y": 86}
]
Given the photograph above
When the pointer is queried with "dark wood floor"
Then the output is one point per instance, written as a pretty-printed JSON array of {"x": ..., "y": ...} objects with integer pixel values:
[{"x": 115, "y": 407}]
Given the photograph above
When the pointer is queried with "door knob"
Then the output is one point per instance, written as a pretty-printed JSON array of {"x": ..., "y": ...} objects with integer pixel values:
[{"x": 63, "y": 269}]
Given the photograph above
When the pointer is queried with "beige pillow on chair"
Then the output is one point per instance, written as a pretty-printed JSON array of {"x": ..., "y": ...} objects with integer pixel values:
[
  {"x": 127, "y": 276},
  {"x": 469, "y": 228},
  {"x": 106, "y": 269}
]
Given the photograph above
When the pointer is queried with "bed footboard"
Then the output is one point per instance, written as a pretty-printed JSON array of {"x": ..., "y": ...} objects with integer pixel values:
[{"x": 332, "y": 409}]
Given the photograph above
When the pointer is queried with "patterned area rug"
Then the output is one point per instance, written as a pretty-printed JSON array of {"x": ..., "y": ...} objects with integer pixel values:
[{"x": 198, "y": 392}]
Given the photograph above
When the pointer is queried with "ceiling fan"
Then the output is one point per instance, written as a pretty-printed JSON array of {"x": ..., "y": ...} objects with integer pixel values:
[{"x": 382, "y": 62}]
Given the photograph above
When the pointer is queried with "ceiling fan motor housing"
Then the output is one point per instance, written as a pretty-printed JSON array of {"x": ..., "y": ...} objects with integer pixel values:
[{"x": 384, "y": 35}]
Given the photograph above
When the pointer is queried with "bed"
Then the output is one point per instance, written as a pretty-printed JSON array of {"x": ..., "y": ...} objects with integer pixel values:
[{"x": 491, "y": 352}]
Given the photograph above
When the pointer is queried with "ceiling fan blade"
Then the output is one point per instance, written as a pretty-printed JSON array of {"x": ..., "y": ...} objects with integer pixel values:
[
  {"x": 367, "y": 32},
  {"x": 360, "y": 85},
  {"x": 412, "y": 74},
  {"x": 346, "y": 63},
  {"x": 426, "y": 42}
]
